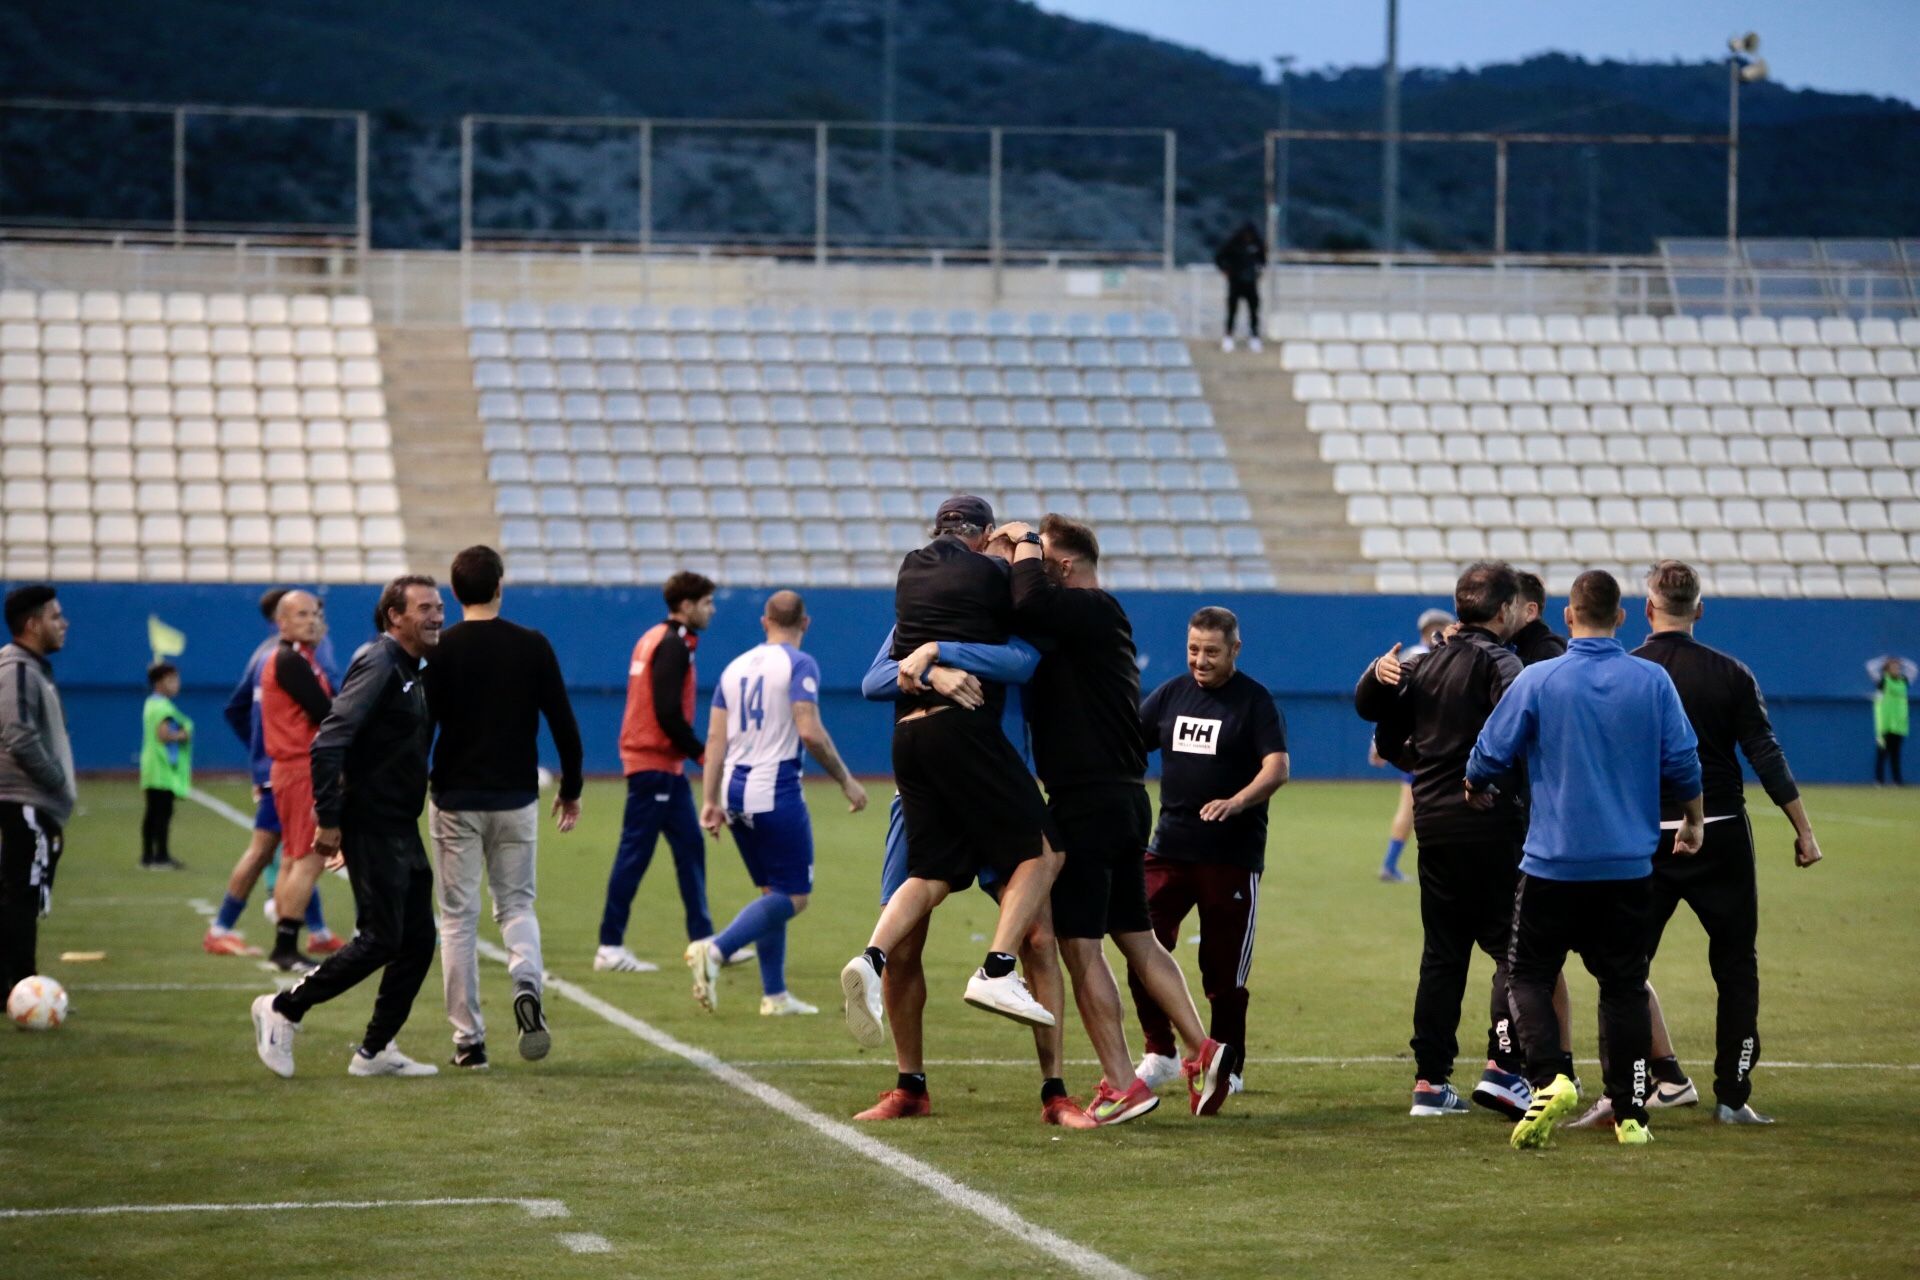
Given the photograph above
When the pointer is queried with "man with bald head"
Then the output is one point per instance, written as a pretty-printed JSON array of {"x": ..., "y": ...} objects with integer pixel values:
[
  {"x": 765, "y": 709},
  {"x": 295, "y": 696}
]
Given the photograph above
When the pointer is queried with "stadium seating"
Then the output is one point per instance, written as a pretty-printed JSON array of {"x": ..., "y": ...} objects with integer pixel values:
[
  {"x": 802, "y": 447},
  {"x": 205, "y": 438},
  {"x": 1781, "y": 455}
]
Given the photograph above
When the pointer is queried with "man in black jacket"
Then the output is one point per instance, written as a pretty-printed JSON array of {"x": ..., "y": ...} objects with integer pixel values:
[
  {"x": 1535, "y": 641},
  {"x": 488, "y": 686},
  {"x": 1429, "y": 710},
  {"x": 1083, "y": 709},
  {"x": 1729, "y": 714},
  {"x": 1241, "y": 259},
  {"x": 369, "y": 785}
]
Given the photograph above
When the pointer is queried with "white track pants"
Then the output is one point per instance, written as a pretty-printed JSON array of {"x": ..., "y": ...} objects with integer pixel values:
[{"x": 501, "y": 844}]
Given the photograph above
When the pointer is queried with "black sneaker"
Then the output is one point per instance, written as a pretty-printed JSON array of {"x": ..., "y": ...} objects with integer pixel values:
[
  {"x": 535, "y": 1040},
  {"x": 293, "y": 962},
  {"x": 473, "y": 1057},
  {"x": 169, "y": 864}
]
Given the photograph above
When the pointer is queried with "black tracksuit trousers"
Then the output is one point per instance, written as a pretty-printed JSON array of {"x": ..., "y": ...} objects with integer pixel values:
[
  {"x": 1466, "y": 899},
  {"x": 1606, "y": 922},
  {"x": 393, "y": 899},
  {"x": 1718, "y": 883}
]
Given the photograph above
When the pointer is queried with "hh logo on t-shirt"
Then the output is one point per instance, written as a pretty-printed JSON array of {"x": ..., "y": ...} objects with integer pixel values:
[{"x": 1195, "y": 736}]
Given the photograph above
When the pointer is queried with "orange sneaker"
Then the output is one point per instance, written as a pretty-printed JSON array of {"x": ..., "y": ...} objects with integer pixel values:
[
  {"x": 227, "y": 944},
  {"x": 1067, "y": 1112},
  {"x": 1208, "y": 1078},
  {"x": 325, "y": 946},
  {"x": 898, "y": 1104}
]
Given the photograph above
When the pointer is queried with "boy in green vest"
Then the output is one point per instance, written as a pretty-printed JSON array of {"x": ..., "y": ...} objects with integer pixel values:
[
  {"x": 1890, "y": 721},
  {"x": 166, "y": 763}
]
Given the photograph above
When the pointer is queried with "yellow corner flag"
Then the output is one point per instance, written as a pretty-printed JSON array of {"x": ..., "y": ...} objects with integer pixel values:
[{"x": 165, "y": 641}]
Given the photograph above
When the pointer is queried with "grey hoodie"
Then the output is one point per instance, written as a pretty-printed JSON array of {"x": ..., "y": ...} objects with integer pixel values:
[{"x": 36, "y": 760}]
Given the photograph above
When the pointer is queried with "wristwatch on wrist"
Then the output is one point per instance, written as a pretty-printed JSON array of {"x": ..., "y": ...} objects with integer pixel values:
[{"x": 1031, "y": 538}]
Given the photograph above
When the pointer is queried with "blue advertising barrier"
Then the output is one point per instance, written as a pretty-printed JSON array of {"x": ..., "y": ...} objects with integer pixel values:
[{"x": 1809, "y": 657}]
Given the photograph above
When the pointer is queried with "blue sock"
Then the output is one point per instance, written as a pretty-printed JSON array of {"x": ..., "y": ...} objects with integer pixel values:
[
  {"x": 1394, "y": 850},
  {"x": 229, "y": 914},
  {"x": 316, "y": 922},
  {"x": 273, "y": 875},
  {"x": 765, "y": 913},
  {"x": 773, "y": 960}
]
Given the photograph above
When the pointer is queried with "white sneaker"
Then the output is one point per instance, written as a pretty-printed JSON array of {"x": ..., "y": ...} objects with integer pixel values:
[
  {"x": 389, "y": 1062},
  {"x": 273, "y": 1034},
  {"x": 1598, "y": 1116},
  {"x": 705, "y": 960},
  {"x": 1673, "y": 1095},
  {"x": 1007, "y": 996},
  {"x": 784, "y": 1005},
  {"x": 1234, "y": 1086},
  {"x": 1157, "y": 1069},
  {"x": 621, "y": 960},
  {"x": 1254, "y": 345},
  {"x": 866, "y": 1010},
  {"x": 1226, "y": 344}
]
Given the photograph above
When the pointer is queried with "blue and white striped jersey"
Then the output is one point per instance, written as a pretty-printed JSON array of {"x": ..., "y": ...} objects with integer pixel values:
[{"x": 758, "y": 690}]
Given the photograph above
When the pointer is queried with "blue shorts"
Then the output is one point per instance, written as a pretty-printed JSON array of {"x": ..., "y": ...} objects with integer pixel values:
[
  {"x": 265, "y": 816},
  {"x": 777, "y": 847},
  {"x": 893, "y": 867}
]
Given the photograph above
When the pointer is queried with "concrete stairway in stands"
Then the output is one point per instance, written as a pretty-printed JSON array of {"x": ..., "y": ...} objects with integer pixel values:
[
  {"x": 1301, "y": 519},
  {"x": 440, "y": 465}
]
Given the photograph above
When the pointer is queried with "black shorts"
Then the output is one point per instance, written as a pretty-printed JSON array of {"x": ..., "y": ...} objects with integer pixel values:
[
  {"x": 1102, "y": 888},
  {"x": 967, "y": 798}
]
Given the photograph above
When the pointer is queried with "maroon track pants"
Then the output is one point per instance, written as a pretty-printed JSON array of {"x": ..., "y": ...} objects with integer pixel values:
[{"x": 1228, "y": 898}]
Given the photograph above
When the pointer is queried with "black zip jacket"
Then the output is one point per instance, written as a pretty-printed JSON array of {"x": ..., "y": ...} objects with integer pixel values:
[
  {"x": 1241, "y": 261},
  {"x": 1727, "y": 710},
  {"x": 370, "y": 756},
  {"x": 1535, "y": 642},
  {"x": 1427, "y": 725},
  {"x": 948, "y": 592},
  {"x": 1083, "y": 703}
]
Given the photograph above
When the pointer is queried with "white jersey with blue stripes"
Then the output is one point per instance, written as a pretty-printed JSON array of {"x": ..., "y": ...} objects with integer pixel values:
[{"x": 757, "y": 691}]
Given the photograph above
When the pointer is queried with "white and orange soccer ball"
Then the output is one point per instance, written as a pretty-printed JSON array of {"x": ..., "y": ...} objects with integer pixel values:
[{"x": 37, "y": 1003}]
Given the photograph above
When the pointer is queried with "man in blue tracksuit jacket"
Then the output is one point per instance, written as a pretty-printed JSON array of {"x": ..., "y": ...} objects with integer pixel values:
[{"x": 1599, "y": 732}]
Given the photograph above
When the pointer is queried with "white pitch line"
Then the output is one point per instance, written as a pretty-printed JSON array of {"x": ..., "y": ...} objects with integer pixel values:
[
  {"x": 584, "y": 1242},
  {"x": 994, "y": 1212},
  {"x": 535, "y": 1208},
  {"x": 222, "y": 808},
  {"x": 167, "y": 986}
]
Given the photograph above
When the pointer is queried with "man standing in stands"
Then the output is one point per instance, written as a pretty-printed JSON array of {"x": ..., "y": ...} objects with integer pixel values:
[
  {"x": 295, "y": 696},
  {"x": 1241, "y": 260},
  {"x": 1082, "y": 709},
  {"x": 1602, "y": 734},
  {"x": 1428, "y": 710},
  {"x": 37, "y": 791},
  {"x": 1223, "y": 752},
  {"x": 489, "y": 684},
  {"x": 1535, "y": 641},
  {"x": 369, "y": 764},
  {"x": 656, "y": 741}
]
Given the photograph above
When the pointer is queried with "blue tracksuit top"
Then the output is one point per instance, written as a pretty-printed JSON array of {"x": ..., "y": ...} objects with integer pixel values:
[{"x": 1599, "y": 731}]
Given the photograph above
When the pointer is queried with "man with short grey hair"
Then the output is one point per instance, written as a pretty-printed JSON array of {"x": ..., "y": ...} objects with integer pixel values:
[
  {"x": 37, "y": 791},
  {"x": 489, "y": 684}
]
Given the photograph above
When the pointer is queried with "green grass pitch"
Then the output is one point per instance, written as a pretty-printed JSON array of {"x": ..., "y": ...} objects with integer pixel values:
[{"x": 152, "y": 1096}]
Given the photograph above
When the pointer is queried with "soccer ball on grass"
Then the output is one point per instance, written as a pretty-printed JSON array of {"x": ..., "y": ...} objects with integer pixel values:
[{"x": 37, "y": 1004}]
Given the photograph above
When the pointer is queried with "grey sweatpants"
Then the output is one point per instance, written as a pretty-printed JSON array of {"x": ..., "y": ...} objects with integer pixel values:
[{"x": 501, "y": 843}]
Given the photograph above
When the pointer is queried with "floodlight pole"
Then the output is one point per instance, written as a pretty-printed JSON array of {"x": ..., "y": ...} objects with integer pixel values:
[
  {"x": 179, "y": 174},
  {"x": 889, "y": 214},
  {"x": 1276, "y": 161},
  {"x": 1733, "y": 157},
  {"x": 1390, "y": 125}
]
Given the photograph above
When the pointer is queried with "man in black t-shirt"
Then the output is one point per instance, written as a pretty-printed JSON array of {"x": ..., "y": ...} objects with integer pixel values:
[
  {"x": 1535, "y": 641},
  {"x": 488, "y": 685},
  {"x": 1223, "y": 750},
  {"x": 1083, "y": 709},
  {"x": 965, "y": 795}
]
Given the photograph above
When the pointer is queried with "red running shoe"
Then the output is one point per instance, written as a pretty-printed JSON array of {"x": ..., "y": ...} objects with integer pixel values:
[
  {"x": 1067, "y": 1112},
  {"x": 227, "y": 944},
  {"x": 898, "y": 1104},
  {"x": 1207, "y": 1078},
  {"x": 1110, "y": 1107},
  {"x": 325, "y": 946}
]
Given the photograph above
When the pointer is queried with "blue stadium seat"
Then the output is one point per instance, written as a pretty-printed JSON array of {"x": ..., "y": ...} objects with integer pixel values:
[
  {"x": 601, "y": 503},
  {"x": 563, "y": 535},
  {"x": 513, "y": 500}
]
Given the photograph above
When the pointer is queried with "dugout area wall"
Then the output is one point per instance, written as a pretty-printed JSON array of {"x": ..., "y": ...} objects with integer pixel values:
[{"x": 1809, "y": 656}]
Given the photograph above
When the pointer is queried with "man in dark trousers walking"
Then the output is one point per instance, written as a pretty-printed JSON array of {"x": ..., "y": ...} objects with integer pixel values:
[
  {"x": 1602, "y": 734},
  {"x": 1725, "y": 706},
  {"x": 369, "y": 765},
  {"x": 1429, "y": 710},
  {"x": 490, "y": 683}
]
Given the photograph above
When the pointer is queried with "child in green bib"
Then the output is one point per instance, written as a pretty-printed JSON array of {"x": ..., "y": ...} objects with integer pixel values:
[{"x": 166, "y": 763}]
